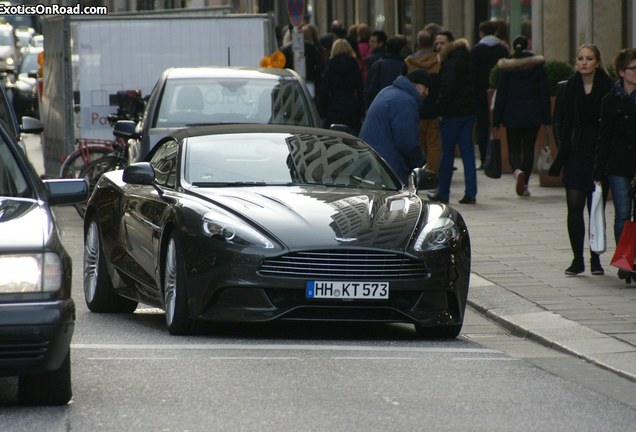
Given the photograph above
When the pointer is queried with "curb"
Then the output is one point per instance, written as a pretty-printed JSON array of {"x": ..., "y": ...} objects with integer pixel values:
[{"x": 527, "y": 319}]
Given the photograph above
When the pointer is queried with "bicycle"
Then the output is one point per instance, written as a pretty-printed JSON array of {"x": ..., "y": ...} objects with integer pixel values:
[{"x": 88, "y": 150}]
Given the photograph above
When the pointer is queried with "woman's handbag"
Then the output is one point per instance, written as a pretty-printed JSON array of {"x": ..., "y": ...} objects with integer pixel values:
[
  {"x": 626, "y": 248},
  {"x": 545, "y": 161},
  {"x": 492, "y": 163},
  {"x": 598, "y": 241}
]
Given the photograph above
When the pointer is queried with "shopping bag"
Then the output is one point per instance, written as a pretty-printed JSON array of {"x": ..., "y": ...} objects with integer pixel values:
[
  {"x": 598, "y": 242},
  {"x": 545, "y": 161},
  {"x": 492, "y": 164},
  {"x": 625, "y": 249}
]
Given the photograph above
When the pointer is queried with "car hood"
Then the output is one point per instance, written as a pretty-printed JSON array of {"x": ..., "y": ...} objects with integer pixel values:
[
  {"x": 320, "y": 217},
  {"x": 24, "y": 225}
]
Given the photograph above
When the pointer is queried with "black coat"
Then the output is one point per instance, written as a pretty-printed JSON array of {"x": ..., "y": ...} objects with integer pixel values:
[
  {"x": 382, "y": 74},
  {"x": 567, "y": 114},
  {"x": 340, "y": 99},
  {"x": 616, "y": 146},
  {"x": 458, "y": 90},
  {"x": 486, "y": 57},
  {"x": 522, "y": 99}
]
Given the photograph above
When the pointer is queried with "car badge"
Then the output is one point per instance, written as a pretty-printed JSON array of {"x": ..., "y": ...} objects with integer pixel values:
[{"x": 345, "y": 239}]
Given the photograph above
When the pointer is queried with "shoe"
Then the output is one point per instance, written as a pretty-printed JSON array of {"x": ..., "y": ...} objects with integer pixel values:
[
  {"x": 577, "y": 267},
  {"x": 595, "y": 265},
  {"x": 526, "y": 192},
  {"x": 480, "y": 167},
  {"x": 468, "y": 200},
  {"x": 437, "y": 198},
  {"x": 520, "y": 185},
  {"x": 625, "y": 275}
]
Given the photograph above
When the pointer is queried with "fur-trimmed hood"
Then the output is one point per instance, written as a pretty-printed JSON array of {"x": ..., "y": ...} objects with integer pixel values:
[
  {"x": 520, "y": 63},
  {"x": 452, "y": 46}
]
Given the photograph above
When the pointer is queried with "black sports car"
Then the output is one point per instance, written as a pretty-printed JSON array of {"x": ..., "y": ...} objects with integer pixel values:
[{"x": 264, "y": 222}]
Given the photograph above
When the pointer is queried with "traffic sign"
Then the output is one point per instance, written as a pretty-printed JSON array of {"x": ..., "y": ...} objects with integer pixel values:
[{"x": 296, "y": 9}]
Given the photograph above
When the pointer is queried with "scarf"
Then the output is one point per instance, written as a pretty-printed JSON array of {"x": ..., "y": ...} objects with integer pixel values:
[{"x": 620, "y": 91}]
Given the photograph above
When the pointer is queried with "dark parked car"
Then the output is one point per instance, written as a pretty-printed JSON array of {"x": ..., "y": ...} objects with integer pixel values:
[
  {"x": 261, "y": 222},
  {"x": 216, "y": 95},
  {"x": 25, "y": 89},
  {"x": 37, "y": 313},
  {"x": 10, "y": 122}
]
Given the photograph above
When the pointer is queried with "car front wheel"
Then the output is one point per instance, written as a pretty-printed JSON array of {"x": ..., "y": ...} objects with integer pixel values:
[{"x": 178, "y": 321}]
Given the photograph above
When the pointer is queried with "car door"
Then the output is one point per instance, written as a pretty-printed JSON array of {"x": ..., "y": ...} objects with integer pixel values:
[{"x": 143, "y": 217}]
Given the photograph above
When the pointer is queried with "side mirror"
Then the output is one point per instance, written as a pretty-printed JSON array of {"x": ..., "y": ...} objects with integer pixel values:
[
  {"x": 31, "y": 125},
  {"x": 342, "y": 128},
  {"x": 126, "y": 129},
  {"x": 423, "y": 178},
  {"x": 140, "y": 173}
]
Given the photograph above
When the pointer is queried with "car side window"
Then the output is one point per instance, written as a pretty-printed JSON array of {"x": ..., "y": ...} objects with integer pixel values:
[
  {"x": 12, "y": 180},
  {"x": 164, "y": 161}
]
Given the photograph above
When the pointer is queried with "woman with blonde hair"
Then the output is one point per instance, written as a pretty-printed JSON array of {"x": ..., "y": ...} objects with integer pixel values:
[
  {"x": 340, "y": 100},
  {"x": 578, "y": 121}
]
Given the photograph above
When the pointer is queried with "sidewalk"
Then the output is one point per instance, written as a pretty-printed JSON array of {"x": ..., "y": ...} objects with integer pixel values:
[{"x": 520, "y": 249}]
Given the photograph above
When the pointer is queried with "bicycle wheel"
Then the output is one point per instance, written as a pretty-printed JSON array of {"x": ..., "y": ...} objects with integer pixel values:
[
  {"x": 74, "y": 163},
  {"x": 94, "y": 170}
]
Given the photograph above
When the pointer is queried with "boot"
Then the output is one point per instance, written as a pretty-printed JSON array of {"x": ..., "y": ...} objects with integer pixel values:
[
  {"x": 577, "y": 267},
  {"x": 595, "y": 264}
]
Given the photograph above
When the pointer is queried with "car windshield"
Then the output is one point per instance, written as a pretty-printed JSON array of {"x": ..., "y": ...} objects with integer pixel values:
[
  {"x": 232, "y": 100},
  {"x": 252, "y": 159},
  {"x": 6, "y": 37},
  {"x": 12, "y": 180}
]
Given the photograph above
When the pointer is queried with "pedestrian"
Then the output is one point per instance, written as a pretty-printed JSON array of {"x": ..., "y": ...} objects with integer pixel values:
[
  {"x": 364, "y": 34},
  {"x": 522, "y": 105},
  {"x": 486, "y": 54},
  {"x": 391, "y": 126},
  {"x": 442, "y": 39},
  {"x": 457, "y": 107},
  {"x": 383, "y": 72},
  {"x": 313, "y": 61},
  {"x": 616, "y": 146},
  {"x": 336, "y": 31},
  {"x": 377, "y": 41},
  {"x": 576, "y": 126},
  {"x": 425, "y": 58},
  {"x": 340, "y": 97}
]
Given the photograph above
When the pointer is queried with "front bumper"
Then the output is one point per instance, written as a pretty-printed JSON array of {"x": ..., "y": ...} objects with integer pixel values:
[{"x": 35, "y": 337}]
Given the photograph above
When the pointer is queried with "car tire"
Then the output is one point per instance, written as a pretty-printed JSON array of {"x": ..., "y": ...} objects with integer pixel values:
[
  {"x": 178, "y": 321},
  {"x": 98, "y": 287},
  {"x": 49, "y": 388},
  {"x": 442, "y": 332}
]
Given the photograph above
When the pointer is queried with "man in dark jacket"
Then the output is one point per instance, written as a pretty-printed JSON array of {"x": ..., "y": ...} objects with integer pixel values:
[
  {"x": 486, "y": 53},
  {"x": 391, "y": 126},
  {"x": 384, "y": 71},
  {"x": 377, "y": 42},
  {"x": 425, "y": 58},
  {"x": 457, "y": 101}
]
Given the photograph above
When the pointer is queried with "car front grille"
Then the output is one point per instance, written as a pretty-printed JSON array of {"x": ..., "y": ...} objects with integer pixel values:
[
  {"x": 344, "y": 263},
  {"x": 31, "y": 350}
]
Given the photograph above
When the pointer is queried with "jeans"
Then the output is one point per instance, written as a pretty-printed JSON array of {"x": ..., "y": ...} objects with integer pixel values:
[
  {"x": 457, "y": 130},
  {"x": 620, "y": 188}
]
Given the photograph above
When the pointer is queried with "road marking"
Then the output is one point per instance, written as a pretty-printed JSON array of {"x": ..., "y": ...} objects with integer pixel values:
[
  {"x": 487, "y": 358},
  {"x": 131, "y": 358},
  {"x": 281, "y": 347}
]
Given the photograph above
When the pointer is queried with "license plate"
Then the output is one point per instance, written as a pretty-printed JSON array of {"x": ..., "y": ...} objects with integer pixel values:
[{"x": 346, "y": 290}]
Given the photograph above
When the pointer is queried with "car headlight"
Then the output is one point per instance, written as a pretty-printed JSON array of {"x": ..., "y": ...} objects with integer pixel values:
[
  {"x": 30, "y": 273},
  {"x": 231, "y": 230},
  {"x": 436, "y": 234}
]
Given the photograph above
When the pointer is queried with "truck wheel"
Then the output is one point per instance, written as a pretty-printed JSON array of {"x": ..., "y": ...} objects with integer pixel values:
[
  {"x": 98, "y": 288},
  {"x": 49, "y": 388}
]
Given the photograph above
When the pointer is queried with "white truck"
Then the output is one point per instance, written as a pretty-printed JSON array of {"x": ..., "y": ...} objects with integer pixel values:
[{"x": 89, "y": 59}]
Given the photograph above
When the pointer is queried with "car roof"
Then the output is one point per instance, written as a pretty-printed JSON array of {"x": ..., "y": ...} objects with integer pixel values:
[
  {"x": 228, "y": 72},
  {"x": 254, "y": 128}
]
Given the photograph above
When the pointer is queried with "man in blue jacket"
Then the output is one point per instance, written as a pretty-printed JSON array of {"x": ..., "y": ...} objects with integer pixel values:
[{"x": 392, "y": 124}]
